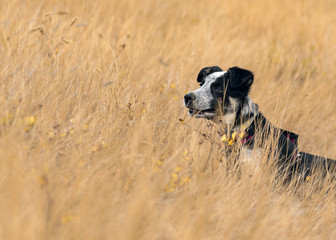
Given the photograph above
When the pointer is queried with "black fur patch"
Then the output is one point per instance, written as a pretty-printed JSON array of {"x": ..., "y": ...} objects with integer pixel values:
[
  {"x": 207, "y": 71},
  {"x": 240, "y": 77}
]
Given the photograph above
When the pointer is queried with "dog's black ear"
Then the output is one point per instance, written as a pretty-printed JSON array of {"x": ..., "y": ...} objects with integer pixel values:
[
  {"x": 240, "y": 77},
  {"x": 207, "y": 71}
]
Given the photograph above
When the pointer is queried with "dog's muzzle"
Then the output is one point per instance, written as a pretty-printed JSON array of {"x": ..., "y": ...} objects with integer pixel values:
[
  {"x": 190, "y": 103},
  {"x": 189, "y": 99}
]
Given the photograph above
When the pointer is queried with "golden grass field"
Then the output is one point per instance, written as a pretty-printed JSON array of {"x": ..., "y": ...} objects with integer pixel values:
[{"x": 91, "y": 93}]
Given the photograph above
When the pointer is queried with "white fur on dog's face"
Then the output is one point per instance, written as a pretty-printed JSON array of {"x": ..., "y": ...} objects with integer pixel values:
[{"x": 204, "y": 96}]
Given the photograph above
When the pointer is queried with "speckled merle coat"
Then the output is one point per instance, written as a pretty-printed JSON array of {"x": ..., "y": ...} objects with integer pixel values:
[{"x": 223, "y": 98}]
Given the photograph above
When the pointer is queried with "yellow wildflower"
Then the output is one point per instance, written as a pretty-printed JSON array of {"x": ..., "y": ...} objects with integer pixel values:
[
  {"x": 224, "y": 138},
  {"x": 94, "y": 148},
  {"x": 4, "y": 121},
  {"x": 178, "y": 169},
  {"x": 162, "y": 88},
  {"x": 158, "y": 164},
  {"x": 169, "y": 189},
  {"x": 184, "y": 181},
  {"x": 186, "y": 154},
  {"x": 233, "y": 136},
  {"x": 66, "y": 218},
  {"x": 29, "y": 122},
  {"x": 174, "y": 177},
  {"x": 51, "y": 134}
]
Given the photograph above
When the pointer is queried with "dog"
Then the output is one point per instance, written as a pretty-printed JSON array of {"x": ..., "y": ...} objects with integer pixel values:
[{"x": 223, "y": 98}]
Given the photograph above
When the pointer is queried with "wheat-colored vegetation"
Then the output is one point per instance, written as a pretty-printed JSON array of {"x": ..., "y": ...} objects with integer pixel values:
[{"x": 91, "y": 92}]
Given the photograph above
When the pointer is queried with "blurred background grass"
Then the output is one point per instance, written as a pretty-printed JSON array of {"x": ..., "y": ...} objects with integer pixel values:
[{"x": 91, "y": 145}]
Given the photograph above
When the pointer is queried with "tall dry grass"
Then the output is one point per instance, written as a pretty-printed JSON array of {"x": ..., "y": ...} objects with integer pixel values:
[{"x": 91, "y": 145}]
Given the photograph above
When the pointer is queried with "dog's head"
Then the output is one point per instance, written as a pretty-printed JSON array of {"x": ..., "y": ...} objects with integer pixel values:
[{"x": 221, "y": 94}]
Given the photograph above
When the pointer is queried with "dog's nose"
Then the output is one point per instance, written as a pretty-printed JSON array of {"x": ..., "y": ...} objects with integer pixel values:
[{"x": 189, "y": 98}]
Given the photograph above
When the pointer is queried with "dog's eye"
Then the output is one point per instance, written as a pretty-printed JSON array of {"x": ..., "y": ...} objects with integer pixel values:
[{"x": 218, "y": 89}]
